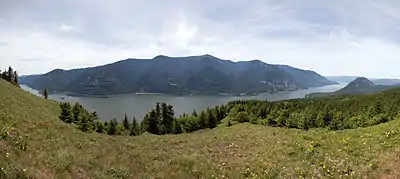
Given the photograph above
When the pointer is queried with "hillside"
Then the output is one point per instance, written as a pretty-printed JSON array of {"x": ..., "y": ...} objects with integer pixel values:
[
  {"x": 376, "y": 81},
  {"x": 34, "y": 143},
  {"x": 177, "y": 75},
  {"x": 360, "y": 85}
]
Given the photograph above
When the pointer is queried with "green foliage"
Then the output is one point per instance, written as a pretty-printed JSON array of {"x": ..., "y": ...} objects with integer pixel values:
[
  {"x": 126, "y": 123},
  {"x": 10, "y": 75},
  {"x": 66, "y": 113},
  {"x": 135, "y": 128},
  {"x": 335, "y": 113},
  {"x": 112, "y": 127}
]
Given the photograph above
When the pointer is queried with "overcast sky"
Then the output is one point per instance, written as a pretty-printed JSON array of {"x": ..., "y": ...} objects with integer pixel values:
[{"x": 335, "y": 37}]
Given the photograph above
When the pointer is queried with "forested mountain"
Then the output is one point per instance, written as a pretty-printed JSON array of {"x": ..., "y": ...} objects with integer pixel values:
[
  {"x": 204, "y": 74},
  {"x": 376, "y": 81},
  {"x": 360, "y": 85}
]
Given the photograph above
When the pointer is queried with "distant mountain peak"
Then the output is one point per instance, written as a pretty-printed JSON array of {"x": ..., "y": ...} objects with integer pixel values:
[
  {"x": 362, "y": 82},
  {"x": 208, "y": 55},
  {"x": 161, "y": 56},
  {"x": 56, "y": 71}
]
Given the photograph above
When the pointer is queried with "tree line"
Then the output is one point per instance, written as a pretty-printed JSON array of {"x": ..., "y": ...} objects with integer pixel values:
[
  {"x": 90, "y": 122},
  {"x": 10, "y": 75},
  {"x": 159, "y": 120},
  {"x": 334, "y": 113}
]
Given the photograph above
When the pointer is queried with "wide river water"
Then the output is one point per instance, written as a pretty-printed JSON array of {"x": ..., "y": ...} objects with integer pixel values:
[{"x": 138, "y": 105}]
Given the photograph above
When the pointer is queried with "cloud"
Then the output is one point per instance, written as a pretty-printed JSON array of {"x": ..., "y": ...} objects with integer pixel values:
[
  {"x": 64, "y": 27},
  {"x": 333, "y": 38}
]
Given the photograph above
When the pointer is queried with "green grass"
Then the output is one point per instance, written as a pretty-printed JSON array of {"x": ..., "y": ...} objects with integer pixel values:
[{"x": 34, "y": 143}]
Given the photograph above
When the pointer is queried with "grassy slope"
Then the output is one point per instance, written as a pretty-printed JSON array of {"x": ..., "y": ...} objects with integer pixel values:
[{"x": 58, "y": 150}]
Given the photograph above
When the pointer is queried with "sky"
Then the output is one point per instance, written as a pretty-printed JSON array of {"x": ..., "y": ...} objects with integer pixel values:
[{"x": 336, "y": 37}]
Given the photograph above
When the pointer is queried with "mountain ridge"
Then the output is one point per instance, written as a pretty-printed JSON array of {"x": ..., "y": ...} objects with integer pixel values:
[
  {"x": 360, "y": 85},
  {"x": 177, "y": 75}
]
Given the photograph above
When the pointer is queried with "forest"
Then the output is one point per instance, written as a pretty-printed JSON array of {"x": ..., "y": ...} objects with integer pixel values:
[{"x": 333, "y": 113}]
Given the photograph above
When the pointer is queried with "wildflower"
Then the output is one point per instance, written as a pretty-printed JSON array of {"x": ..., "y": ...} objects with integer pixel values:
[
  {"x": 24, "y": 170},
  {"x": 7, "y": 155}
]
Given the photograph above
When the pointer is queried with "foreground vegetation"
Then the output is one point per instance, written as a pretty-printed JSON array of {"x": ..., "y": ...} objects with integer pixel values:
[{"x": 34, "y": 143}]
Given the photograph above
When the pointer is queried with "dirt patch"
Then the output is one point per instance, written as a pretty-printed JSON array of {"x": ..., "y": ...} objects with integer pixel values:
[
  {"x": 390, "y": 165},
  {"x": 79, "y": 173}
]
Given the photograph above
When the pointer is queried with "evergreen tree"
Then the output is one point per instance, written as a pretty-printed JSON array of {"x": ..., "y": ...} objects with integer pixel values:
[
  {"x": 112, "y": 127},
  {"x": 203, "y": 120},
  {"x": 126, "y": 124},
  {"x": 65, "y": 114},
  {"x": 194, "y": 113},
  {"x": 45, "y": 95},
  {"x": 76, "y": 111},
  {"x": 10, "y": 74},
  {"x": 212, "y": 121},
  {"x": 153, "y": 123},
  {"x": 134, "y": 128},
  {"x": 84, "y": 123},
  {"x": 16, "y": 81},
  {"x": 158, "y": 111},
  {"x": 167, "y": 114}
]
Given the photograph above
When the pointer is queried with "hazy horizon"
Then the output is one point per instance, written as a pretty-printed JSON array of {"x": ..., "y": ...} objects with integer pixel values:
[{"x": 335, "y": 38}]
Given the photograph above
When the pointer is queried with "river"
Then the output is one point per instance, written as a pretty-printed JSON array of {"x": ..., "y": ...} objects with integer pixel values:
[{"x": 138, "y": 105}]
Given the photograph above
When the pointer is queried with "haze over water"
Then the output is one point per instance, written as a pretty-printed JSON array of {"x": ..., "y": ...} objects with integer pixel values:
[{"x": 138, "y": 105}]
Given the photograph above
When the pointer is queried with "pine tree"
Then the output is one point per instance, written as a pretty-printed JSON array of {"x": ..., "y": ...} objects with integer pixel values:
[
  {"x": 153, "y": 123},
  {"x": 126, "y": 124},
  {"x": 212, "y": 121},
  {"x": 158, "y": 111},
  {"x": 84, "y": 123},
  {"x": 167, "y": 116},
  {"x": 10, "y": 74},
  {"x": 76, "y": 111},
  {"x": 16, "y": 77},
  {"x": 65, "y": 114},
  {"x": 194, "y": 113},
  {"x": 112, "y": 127},
  {"x": 203, "y": 120},
  {"x": 45, "y": 95},
  {"x": 134, "y": 128}
]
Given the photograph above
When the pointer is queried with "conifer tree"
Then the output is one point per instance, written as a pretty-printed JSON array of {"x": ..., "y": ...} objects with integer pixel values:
[
  {"x": 167, "y": 117},
  {"x": 203, "y": 120},
  {"x": 84, "y": 123},
  {"x": 10, "y": 73},
  {"x": 112, "y": 127},
  {"x": 45, "y": 95},
  {"x": 126, "y": 124},
  {"x": 212, "y": 121},
  {"x": 134, "y": 128},
  {"x": 194, "y": 113},
  {"x": 16, "y": 77},
  {"x": 153, "y": 123},
  {"x": 65, "y": 114},
  {"x": 76, "y": 111}
]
